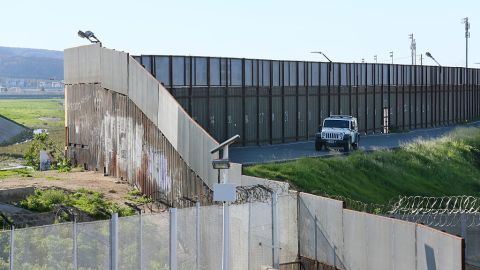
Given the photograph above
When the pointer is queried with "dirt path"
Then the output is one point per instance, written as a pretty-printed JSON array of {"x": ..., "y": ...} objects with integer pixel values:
[{"x": 109, "y": 186}]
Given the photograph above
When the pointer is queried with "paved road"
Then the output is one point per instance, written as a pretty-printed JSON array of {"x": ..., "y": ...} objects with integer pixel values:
[{"x": 290, "y": 151}]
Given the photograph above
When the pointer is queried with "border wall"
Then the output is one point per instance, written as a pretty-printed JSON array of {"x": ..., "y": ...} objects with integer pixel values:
[
  {"x": 121, "y": 121},
  {"x": 271, "y": 101}
]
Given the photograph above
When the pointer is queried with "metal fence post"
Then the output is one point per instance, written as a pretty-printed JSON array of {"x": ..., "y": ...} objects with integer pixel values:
[
  {"x": 12, "y": 243},
  {"x": 197, "y": 235},
  {"x": 464, "y": 226},
  {"x": 275, "y": 255},
  {"x": 226, "y": 236},
  {"x": 249, "y": 234},
  {"x": 173, "y": 239},
  {"x": 141, "y": 241},
  {"x": 74, "y": 236},
  {"x": 316, "y": 237},
  {"x": 114, "y": 242}
]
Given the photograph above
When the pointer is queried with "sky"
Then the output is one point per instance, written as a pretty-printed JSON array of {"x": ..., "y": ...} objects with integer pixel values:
[{"x": 345, "y": 30}]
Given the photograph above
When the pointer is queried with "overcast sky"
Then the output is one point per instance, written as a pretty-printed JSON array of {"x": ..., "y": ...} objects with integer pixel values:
[{"x": 346, "y": 31}]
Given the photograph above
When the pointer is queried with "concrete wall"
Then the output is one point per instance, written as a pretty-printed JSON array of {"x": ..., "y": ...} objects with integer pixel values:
[
  {"x": 82, "y": 64},
  {"x": 375, "y": 242},
  {"x": 143, "y": 91},
  {"x": 437, "y": 250},
  {"x": 288, "y": 227},
  {"x": 330, "y": 223},
  {"x": 9, "y": 129},
  {"x": 365, "y": 241},
  {"x": 114, "y": 68},
  {"x": 118, "y": 72}
]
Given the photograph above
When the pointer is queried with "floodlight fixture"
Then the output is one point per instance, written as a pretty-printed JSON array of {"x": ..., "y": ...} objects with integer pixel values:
[
  {"x": 90, "y": 36},
  {"x": 428, "y": 54},
  {"x": 221, "y": 164}
]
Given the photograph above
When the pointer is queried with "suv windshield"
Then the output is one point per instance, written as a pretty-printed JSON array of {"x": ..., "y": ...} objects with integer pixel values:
[{"x": 336, "y": 124}]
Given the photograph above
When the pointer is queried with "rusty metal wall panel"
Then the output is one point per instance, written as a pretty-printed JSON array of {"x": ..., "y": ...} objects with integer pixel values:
[
  {"x": 234, "y": 116},
  {"x": 313, "y": 112},
  {"x": 302, "y": 117},
  {"x": 277, "y": 119},
  {"x": 217, "y": 117},
  {"x": 251, "y": 119},
  {"x": 290, "y": 118},
  {"x": 264, "y": 117},
  {"x": 109, "y": 133}
]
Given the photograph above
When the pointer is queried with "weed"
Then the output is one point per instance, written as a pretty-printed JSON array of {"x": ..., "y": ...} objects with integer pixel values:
[
  {"x": 137, "y": 197},
  {"x": 16, "y": 172},
  {"x": 90, "y": 202}
]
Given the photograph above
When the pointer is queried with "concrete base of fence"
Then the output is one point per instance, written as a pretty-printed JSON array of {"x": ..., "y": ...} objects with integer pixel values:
[{"x": 15, "y": 194}]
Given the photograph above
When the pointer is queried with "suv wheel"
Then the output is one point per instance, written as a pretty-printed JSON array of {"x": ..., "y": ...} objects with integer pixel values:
[
  {"x": 355, "y": 146},
  {"x": 347, "y": 147}
]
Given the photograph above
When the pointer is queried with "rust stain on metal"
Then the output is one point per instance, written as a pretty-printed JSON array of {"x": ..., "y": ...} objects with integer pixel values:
[{"x": 124, "y": 143}]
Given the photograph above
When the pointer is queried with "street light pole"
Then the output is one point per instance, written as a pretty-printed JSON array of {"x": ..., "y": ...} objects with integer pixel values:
[
  {"x": 413, "y": 48},
  {"x": 467, "y": 35},
  {"x": 225, "y": 193},
  {"x": 323, "y": 56},
  {"x": 430, "y": 55},
  {"x": 391, "y": 56}
]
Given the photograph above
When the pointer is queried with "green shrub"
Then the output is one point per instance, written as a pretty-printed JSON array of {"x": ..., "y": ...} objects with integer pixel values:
[
  {"x": 42, "y": 142},
  {"x": 91, "y": 202}
]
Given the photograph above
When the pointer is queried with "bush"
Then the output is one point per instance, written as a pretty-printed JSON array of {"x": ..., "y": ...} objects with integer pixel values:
[{"x": 42, "y": 142}]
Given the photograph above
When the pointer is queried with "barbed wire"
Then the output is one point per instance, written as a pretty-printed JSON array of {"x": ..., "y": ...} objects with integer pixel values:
[{"x": 445, "y": 211}]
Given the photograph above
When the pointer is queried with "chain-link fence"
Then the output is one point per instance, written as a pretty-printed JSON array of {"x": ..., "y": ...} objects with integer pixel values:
[{"x": 184, "y": 239}]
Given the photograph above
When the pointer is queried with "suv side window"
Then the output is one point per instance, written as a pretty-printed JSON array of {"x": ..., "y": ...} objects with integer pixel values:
[{"x": 352, "y": 125}]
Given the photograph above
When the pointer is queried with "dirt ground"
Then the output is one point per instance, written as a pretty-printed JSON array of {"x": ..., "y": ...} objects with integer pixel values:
[{"x": 111, "y": 187}]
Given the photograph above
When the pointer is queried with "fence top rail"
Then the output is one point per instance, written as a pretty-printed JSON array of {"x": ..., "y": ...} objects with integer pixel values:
[{"x": 299, "y": 61}]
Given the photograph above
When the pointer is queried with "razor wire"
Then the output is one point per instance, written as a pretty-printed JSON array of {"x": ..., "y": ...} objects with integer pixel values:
[
  {"x": 254, "y": 193},
  {"x": 445, "y": 211}
]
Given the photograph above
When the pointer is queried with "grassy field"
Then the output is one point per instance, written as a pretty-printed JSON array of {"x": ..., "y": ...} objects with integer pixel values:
[
  {"x": 446, "y": 166},
  {"x": 34, "y": 113}
]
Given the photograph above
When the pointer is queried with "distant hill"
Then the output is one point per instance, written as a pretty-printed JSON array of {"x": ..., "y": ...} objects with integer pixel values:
[{"x": 31, "y": 63}]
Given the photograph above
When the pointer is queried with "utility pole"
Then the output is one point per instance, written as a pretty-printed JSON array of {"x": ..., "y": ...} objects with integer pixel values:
[
  {"x": 413, "y": 48},
  {"x": 391, "y": 56},
  {"x": 467, "y": 35},
  {"x": 375, "y": 58}
]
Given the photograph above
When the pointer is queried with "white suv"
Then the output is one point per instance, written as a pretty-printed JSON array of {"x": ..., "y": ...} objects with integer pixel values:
[{"x": 338, "y": 131}]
